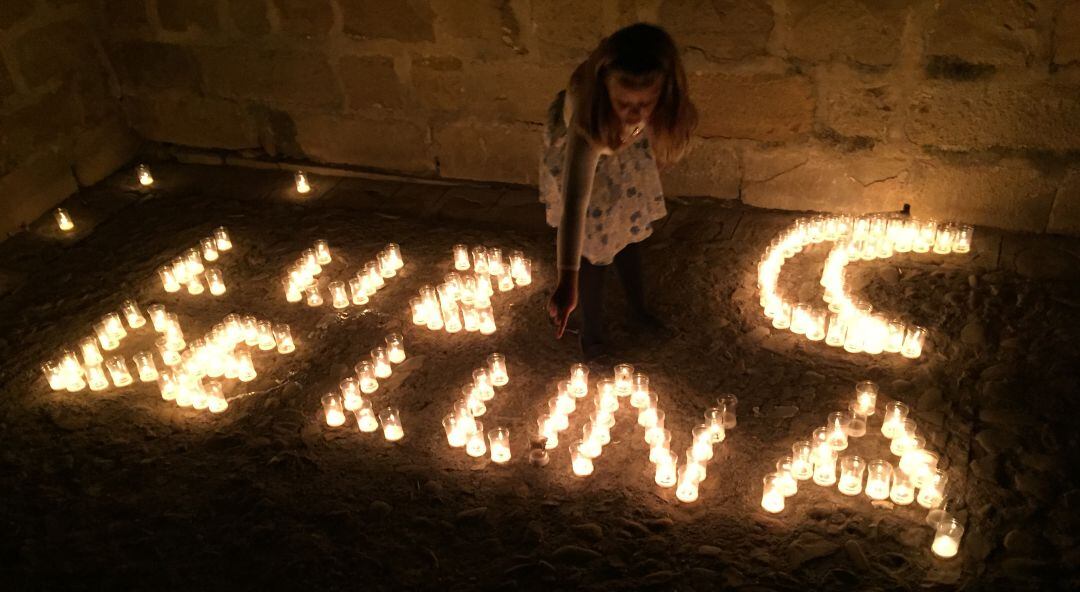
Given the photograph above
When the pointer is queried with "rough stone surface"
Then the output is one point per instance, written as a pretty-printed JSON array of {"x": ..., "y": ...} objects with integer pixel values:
[
  {"x": 153, "y": 65},
  {"x": 192, "y": 121},
  {"x": 469, "y": 150},
  {"x": 311, "y": 18},
  {"x": 382, "y": 143},
  {"x": 846, "y": 30},
  {"x": 408, "y": 20},
  {"x": 489, "y": 28},
  {"x": 1001, "y": 32},
  {"x": 858, "y": 108},
  {"x": 1067, "y": 33},
  {"x": 739, "y": 107},
  {"x": 711, "y": 168},
  {"x": 250, "y": 16},
  {"x": 1065, "y": 214},
  {"x": 185, "y": 15},
  {"x": 54, "y": 50},
  {"x": 725, "y": 29},
  {"x": 278, "y": 76},
  {"x": 370, "y": 81},
  {"x": 566, "y": 29}
]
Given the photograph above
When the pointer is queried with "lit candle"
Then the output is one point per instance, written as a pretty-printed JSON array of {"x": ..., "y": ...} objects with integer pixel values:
[
  {"x": 878, "y": 478},
  {"x": 659, "y": 444},
  {"x": 894, "y": 339},
  {"x": 624, "y": 379},
  {"x": 932, "y": 491},
  {"x": 906, "y": 438},
  {"x": 479, "y": 257},
  {"x": 145, "y": 178},
  {"x": 419, "y": 311},
  {"x": 687, "y": 485},
  {"x": 365, "y": 372},
  {"x": 395, "y": 348},
  {"x": 913, "y": 342},
  {"x": 581, "y": 464},
  {"x": 266, "y": 336},
  {"x": 800, "y": 318},
  {"x": 302, "y": 185},
  {"x": 497, "y": 370},
  {"x": 118, "y": 370},
  {"x": 456, "y": 435},
  {"x": 943, "y": 240},
  {"x": 63, "y": 219},
  {"x": 696, "y": 465},
  {"x": 95, "y": 377},
  {"x": 714, "y": 416},
  {"x": 486, "y": 320},
  {"x": 837, "y": 436},
  {"x": 962, "y": 238},
  {"x": 639, "y": 394},
  {"x": 656, "y": 433},
  {"x": 168, "y": 385},
  {"x": 772, "y": 500},
  {"x": 157, "y": 317},
  {"x": 579, "y": 380},
  {"x": 866, "y": 393},
  {"x": 312, "y": 295},
  {"x": 357, "y": 291},
  {"x": 293, "y": 292},
  {"x": 366, "y": 421},
  {"x": 215, "y": 281},
  {"x": 338, "y": 295},
  {"x": 476, "y": 406},
  {"x": 168, "y": 354},
  {"x": 506, "y": 281},
  {"x": 702, "y": 437},
  {"x": 499, "y": 445},
  {"x": 547, "y": 431},
  {"x": 222, "y": 239},
  {"x": 782, "y": 318},
  {"x": 476, "y": 445},
  {"x": 180, "y": 270},
  {"x": 386, "y": 265},
  {"x": 88, "y": 346},
  {"x": 144, "y": 363},
  {"x": 523, "y": 277},
  {"x": 114, "y": 326},
  {"x": 72, "y": 371},
  {"x": 322, "y": 253},
  {"x": 903, "y": 489},
  {"x": 666, "y": 468},
  {"x": 837, "y": 332},
  {"x": 451, "y": 319},
  {"x": 208, "y": 246},
  {"x": 857, "y": 427},
  {"x": 893, "y": 417},
  {"x": 350, "y": 394},
  {"x": 647, "y": 416},
  {"x": 919, "y": 463},
  {"x": 851, "y": 475},
  {"x": 816, "y": 324},
  {"x": 471, "y": 317},
  {"x": 54, "y": 374},
  {"x": 283, "y": 338},
  {"x": 193, "y": 261},
  {"x": 332, "y": 409},
  {"x": 461, "y": 258},
  {"x": 390, "y": 419},
  {"x": 947, "y": 538},
  {"x": 729, "y": 403},
  {"x": 251, "y": 330},
  {"x": 108, "y": 340},
  {"x": 802, "y": 464},
  {"x": 245, "y": 368},
  {"x": 787, "y": 482},
  {"x": 195, "y": 286},
  {"x": 825, "y": 466},
  {"x": 393, "y": 255},
  {"x": 215, "y": 398}
]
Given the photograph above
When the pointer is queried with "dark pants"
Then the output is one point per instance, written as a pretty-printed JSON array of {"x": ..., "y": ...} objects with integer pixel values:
[{"x": 591, "y": 291}]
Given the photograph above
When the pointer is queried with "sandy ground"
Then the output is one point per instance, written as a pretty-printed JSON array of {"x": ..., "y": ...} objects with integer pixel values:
[{"x": 123, "y": 490}]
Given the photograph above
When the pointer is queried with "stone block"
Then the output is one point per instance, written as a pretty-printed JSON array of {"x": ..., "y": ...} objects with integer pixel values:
[
  {"x": 439, "y": 82},
  {"x": 279, "y": 76},
  {"x": 854, "y": 104},
  {"x": 13, "y": 11},
  {"x": 486, "y": 28},
  {"x": 995, "y": 32},
  {"x": 566, "y": 29},
  {"x": 36, "y": 186},
  {"x": 1067, "y": 34},
  {"x": 846, "y": 30},
  {"x": 305, "y": 17},
  {"x": 724, "y": 29},
  {"x": 153, "y": 65},
  {"x": 711, "y": 167},
  {"x": 188, "y": 15},
  {"x": 489, "y": 151},
  {"x": 249, "y": 16},
  {"x": 982, "y": 115},
  {"x": 102, "y": 150},
  {"x": 1065, "y": 214},
  {"x": 753, "y": 108},
  {"x": 44, "y": 124},
  {"x": 7, "y": 86},
  {"x": 203, "y": 122},
  {"x": 378, "y": 143},
  {"x": 54, "y": 50},
  {"x": 816, "y": 179},
  {"x": 370, "y": 81},
  {"x": 126, "y": 15},
  {"x": 513, "y": 90},
  {"x": 403, "y": 20},
  {"x": 1010, "y": 194}
]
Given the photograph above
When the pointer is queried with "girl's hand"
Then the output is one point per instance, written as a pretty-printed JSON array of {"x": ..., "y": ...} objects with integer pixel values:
[{"x": 563, "y": 300}]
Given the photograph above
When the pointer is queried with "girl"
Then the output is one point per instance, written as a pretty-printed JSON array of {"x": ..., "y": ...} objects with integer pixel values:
[{"x": 625, "y": 114}]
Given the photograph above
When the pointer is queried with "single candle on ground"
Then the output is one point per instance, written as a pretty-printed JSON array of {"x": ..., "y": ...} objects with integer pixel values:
[
  {"x": 365, "y": 417},
  {"x": 395, "y": 348},
  {"x": 476, "y": 445},
  {"x": 145, "y": 177},
  {"x": 118, "y": 370},
  {"x": 144, "y": 363},
  {"x": 772, "y": 497},
  {"x": 947, "y": 536},
  {"x": 497, "y": 370},
  {"x": 390, "y": 419},
  {"x": 666, "y": 468},
  {"x": 787, "y": 482},
  {"x": 301, "y": 181},
  {"x": 499, "y": 445},
  {"x": 802, "y": 464},
  {"x": 903, "y": 489},
  {"x": 63, "y": 219},
  {"x": 581, "y": 464},
  {"x": 852, "y": 468}
]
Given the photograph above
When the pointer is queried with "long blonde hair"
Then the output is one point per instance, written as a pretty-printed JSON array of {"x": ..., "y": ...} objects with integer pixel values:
[{"x": 638, "y": 55}]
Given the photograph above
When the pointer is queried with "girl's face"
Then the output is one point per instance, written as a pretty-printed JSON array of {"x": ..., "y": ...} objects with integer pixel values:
[{"x": 632, "y": 106}]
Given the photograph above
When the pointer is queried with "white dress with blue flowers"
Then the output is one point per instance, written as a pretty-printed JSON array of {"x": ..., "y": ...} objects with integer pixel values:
[{"x": 626, "y": 194}]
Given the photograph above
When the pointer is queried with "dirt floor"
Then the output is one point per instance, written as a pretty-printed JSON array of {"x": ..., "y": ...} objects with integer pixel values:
[{"x": 124, "y": 490}]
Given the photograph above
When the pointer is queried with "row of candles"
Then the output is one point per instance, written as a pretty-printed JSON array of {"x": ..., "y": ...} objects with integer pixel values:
[
  {"x": 301, "y": 280},
  {"x": 848, "y": 322},
  {"x": 462, "y": 427},
  {"x": 463, "y": 300},
  {"x": 351, "y": 390},
  {"x": 189, "y": 268},
  {"x": 816, "y": 459}
]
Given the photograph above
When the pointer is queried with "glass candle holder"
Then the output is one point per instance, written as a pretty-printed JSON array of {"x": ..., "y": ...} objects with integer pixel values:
[
  {"x": 374, "y": 274},
  {"x": 387, "y": 269},
  {"x": 782, "y": 318},
  {"x": 168, "y": 354},
  {"x": 696, "y": 465},
  {"x": 932, "y": 491},
  {"x": 702, "y": 438},
  {"x": 546, "y": 429},
  {"x": 825, "y": 467},
  {"x": 486, "y": 320},
  {"x": 456, "y": 434},
  {"x": 772, "y": 497},
  {"x": 499, "y": 445},
  {"x": 461, "y": 258},
  {"x": 947, "y": 537},
  {"x": 482, "y": 384},
  {"x": 878, "y": 479},
  {"x": 919, "y": 463},
  {"x": 215, "y": 397},
  {"x": 300, "y": 180},
  {"x": 366, "y": 421},
  {"x": 894, "y": 338},
  {"x": 817, "y": 324},
  {"x": 146, "y": 179},
  {"x": 590, "y": 444},
  {"x": 647, "y": 416},
  {"x": 284, "y": 339},
  {"x": 395, "y": 348},
  {"x": 144, "y": 364},
  {"x": 312, "y": 296},
  {"x": 903, "y": 489},
  {"x": 54, "y": 374},
  {"x": 686, "y": 489},
  {"x": 479, "y": 259},
  {"x": 476, "y": 443},
  {"x": 222, "y": 240},
  {"x": 365, "y": 373},
  {"x": 133, "y": 314},
  {"x": 265, "y": 331},
  {"x": 95, "y": 378},
  {"x": 866, "y": 393},
  {"x": 505, "y": 281},
  {"x": 333, "y": 411},
  {"x": 729, "y": 403},
  {"x": 496, "y": 368},
  {"x": 158, "y": 317},
  {"x": 787, "y": 482},
  {"x": 852, "y": 469},
  {"x": 339, "y": 296},
  {"x": 195, "y": 286},
  {"x": 800, "y": 318},
  {"x": 639, "y": 394},
  {"x": 579, "y": 380},
  {"x": 907, "y": 438},
  {"x": 88, "y": 347},
  {"x": 114, "y": 326},
  {"x": 714, "y": 417},
  {"x": 495, "y": 262},
  {"x": 380, "y": 360},
  {"x": 350, "y": 394},
  {"x": 943, "y": 240},
  {"x": 63, "y": 219},
  {"x": 836, "y": 333},
  {"x": 215, "y": 281},
  {"x": 624, "y": 380},
  {"x": 913, "y": 342},
  {"x": 522, "y": 272},
  {"x": 838, "y": 423},
  {"x": 666, "y": 474},
  {"x": 470, "y": 318},
  {"x": 419, "y": 311},
  {"x": 118, "y": 371},
  {"x": 168, "y": 385},
  {"x": 245, "y": 369},
  {"x": 200, "y": 399},
  {"x": 580, "y": 463},
  {"x": 661, "y": 443},
  {"x": 452, "y": 320},
  {"x": 962, "y": 237},
  {"x": 357, "y": 291},
  {"x": 390, "y": 418},
  {"x": 802, "y": 462},
  {"x": 893, "y": 417},
  {"x": 599, "y": 432},
  {"x": 208, "y": 249},
  {"x": 857, "y": 426}
]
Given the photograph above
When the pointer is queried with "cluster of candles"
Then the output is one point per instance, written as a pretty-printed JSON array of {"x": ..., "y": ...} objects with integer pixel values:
[
  {"x": 916, "y": 478},
  {"x": 847, "y": 322},
  {"x": 301, "y": 280},
  {"x": 461, "y": 424},
  {"x": 368, "y": 371},
  {"x": 463, "y": 300},
  {"x": 718, "y": 420},
  {"x": 189, "y": 269}
]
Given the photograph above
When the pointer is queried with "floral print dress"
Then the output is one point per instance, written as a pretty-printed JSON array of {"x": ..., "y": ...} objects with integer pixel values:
[{"x": 626, "y": 195}]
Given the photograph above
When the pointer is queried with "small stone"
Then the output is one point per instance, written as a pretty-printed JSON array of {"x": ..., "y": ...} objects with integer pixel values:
[
  {"x": 589, "y": 531},
  {"x": 634, "y": 527},
  {"x": 658, "y": 524},
  {"x": 973, "y": 333},
  {"x": 1022, "y": 567},
  {"x": 811, "y": 377},
  {"x": 380, "y": 508},
  {"x": 472, "y": 513},
  {"x": 434, "y": 488},
  {"x": 783, "y": 411},
  {"x": 709, "y": 551},
  {"x": 810, "y": 546},
  {"x": 659, "y": 577},
  {"x": 574, "y": 555},
  {"x": 985, "y": 468},
  {"x": 1024, "y": 543},
  {"x": 995, "y": 441},
  {"x": 858, "y": 557}
]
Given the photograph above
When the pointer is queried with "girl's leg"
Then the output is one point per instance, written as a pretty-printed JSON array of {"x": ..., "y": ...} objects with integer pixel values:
[
  {"x": 591, "y": 305},
  {"x": 628, "y": 264}
]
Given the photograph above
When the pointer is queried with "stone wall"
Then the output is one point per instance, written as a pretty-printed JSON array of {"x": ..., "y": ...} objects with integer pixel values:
[{"x": 61, "y": 125}]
